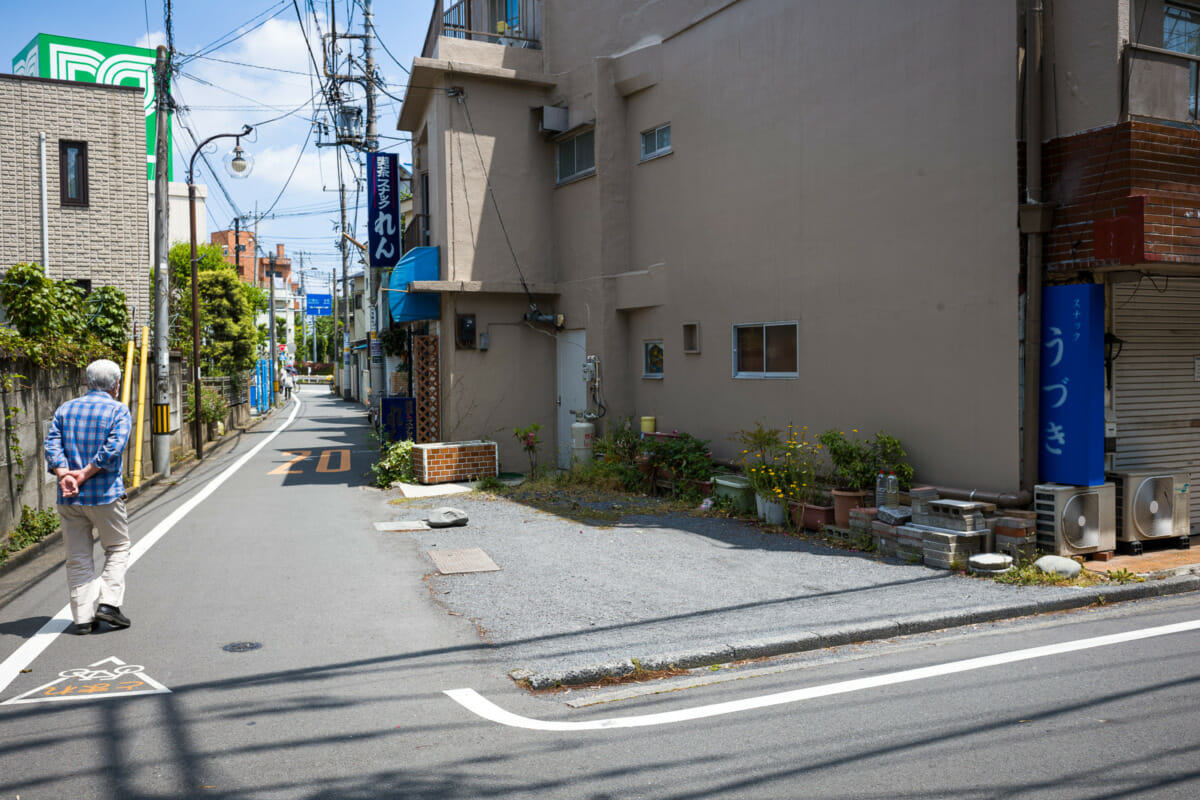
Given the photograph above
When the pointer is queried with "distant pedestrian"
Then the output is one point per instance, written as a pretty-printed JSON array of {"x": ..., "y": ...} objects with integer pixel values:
[
  {"x": 287, "y": 384},
  {"x": 83, "y": 449}
]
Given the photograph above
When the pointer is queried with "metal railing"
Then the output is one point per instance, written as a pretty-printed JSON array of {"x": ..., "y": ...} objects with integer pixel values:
[
  {"x": 235, "y": 392},
  {"x": 514, "y": 23},
  {"x": 416, "y": 234}
]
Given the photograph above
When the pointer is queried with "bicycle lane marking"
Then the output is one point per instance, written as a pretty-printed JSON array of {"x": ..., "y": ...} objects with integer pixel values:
[
  {"x": 481, "y": 706},
  {"x": 24, "y": 655}
]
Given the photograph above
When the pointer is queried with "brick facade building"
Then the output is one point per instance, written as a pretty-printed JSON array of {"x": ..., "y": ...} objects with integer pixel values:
[{"x": 97, "y": 226}]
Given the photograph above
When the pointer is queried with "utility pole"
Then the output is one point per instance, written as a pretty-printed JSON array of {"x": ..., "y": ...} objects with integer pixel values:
[
  {"x": 237, "y": 245},
  {"x": 374, "y": 351},
  {"x": 160, "y": 428},
  {"x": 271, "y": 316},
  {"x": 345, "y": 295}
]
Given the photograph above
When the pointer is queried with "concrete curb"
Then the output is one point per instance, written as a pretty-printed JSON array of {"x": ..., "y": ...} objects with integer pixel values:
[
  {"x": 820, "y": 638},
  {"x": 22, "y": 557}
]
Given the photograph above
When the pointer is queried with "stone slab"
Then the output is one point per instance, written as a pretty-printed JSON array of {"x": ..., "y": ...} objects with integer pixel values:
[
  {"x": 402, "y": 525},
  {"x": 457, "y": 562}
]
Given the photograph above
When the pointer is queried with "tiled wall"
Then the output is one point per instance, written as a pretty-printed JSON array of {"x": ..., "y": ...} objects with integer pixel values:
[
  {"x": 445, "y": 462},
  {"x": 108, "y": 241}
]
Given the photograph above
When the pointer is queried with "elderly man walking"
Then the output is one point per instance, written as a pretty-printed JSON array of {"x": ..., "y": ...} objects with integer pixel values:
[{"x": 83, "y": 449}]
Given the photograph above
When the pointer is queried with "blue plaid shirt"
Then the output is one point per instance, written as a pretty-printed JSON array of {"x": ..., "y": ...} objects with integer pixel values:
[{"x": 92, "y": 429}]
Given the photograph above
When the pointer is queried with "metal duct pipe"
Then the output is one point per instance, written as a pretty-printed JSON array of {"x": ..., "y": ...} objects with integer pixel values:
[
  {"x": 1033, "y": 274},
  {"x": 1001, "y": 499},
  {"x": 45, "y": 205}
]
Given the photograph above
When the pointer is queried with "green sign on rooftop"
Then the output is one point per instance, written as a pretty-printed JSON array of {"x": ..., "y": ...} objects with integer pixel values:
[{"x": 96, "y": 62}]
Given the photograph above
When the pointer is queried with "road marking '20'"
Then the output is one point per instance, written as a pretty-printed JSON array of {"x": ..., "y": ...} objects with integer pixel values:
[{"x": 324, "y": 464}]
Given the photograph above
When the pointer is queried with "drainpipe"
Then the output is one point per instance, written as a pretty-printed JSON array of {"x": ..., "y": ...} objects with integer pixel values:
[
  {"x": 1033, "y": 274},
  {"x": 45, "y": 205},
  {"x": 1001, "y": 499}
]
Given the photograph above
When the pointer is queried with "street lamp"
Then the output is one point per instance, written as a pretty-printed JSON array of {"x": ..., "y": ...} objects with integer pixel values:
[{"x": 239, "y": 165}]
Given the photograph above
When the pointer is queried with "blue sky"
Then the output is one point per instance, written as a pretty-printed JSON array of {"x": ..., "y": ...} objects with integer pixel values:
[{"x": 229, "y": 85}]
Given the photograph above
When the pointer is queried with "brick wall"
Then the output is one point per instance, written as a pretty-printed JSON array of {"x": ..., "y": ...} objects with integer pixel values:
[
  {"x": 107, "y": 242},
  {"x": 445, "y": 462},
  {"x": 1091, "y": 177}
]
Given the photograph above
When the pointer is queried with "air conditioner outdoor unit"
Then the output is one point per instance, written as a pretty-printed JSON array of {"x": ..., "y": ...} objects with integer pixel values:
[
  {"x": 1152, "y": 505},
  {"x": 1075, "y": 520}
]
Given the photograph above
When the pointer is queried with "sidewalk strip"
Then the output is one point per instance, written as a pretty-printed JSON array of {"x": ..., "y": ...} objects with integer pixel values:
[
  {"x": 26, "y": 653},
  {"x": 481, "y": 706}
]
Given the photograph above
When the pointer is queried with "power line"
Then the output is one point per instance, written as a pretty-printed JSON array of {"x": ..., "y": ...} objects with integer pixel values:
[
  {"x": 251, "y": 66},
  {"x": 229, "y": 38}
]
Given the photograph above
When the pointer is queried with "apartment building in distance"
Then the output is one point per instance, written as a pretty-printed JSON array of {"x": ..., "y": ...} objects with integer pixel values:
[{"x": 825, "y": 214}]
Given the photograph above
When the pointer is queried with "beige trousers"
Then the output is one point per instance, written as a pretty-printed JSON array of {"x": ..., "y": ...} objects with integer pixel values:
[{"x": 88, "y": 591}]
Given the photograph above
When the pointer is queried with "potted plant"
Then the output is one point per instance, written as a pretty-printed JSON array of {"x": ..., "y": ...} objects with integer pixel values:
[
  {"x": 855, "y": 463},
  {"x": 763, "y": 462},
  {"x": 817, "y": 511},
  {"x": 682, "y": 460}
]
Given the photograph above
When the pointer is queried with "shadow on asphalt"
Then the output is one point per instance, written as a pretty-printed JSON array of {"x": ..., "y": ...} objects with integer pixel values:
[{"x": 678, "y": 775}]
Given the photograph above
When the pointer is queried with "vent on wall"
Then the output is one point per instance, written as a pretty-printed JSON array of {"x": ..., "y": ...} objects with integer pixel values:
[
  {"x": 691, "y": 337},
  {"x": 554, "y": 119}
]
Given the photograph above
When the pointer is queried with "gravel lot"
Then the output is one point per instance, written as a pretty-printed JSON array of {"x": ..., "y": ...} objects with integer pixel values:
[{"x": 573, "y": 598}]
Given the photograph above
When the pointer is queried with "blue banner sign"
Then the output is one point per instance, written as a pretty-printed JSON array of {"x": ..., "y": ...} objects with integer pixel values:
[
  {"x": 383, "y": 209},
  {"x": 319, "y": 305},
  {"x": 1071, "y": 436},
  {"x": 399, "y": 418}
]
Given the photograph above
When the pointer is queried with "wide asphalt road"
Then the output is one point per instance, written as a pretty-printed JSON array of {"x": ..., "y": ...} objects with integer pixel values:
[{"x": 346, "y": 696}]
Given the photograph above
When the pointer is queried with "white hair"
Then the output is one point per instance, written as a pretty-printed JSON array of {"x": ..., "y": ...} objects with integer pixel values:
[{"x": 103, "y": 374}]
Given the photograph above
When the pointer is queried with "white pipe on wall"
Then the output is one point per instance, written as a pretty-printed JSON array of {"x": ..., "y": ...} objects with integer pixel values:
[{"x": 45, "y": 204}]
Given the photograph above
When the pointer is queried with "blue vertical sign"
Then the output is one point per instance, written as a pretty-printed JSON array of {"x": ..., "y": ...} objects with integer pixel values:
[
  {"x": 1071, "y": 439},
  {"x": 383, "y": 209}
]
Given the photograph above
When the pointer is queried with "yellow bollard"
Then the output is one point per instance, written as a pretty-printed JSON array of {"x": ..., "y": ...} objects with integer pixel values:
[
  {"x": 127, "y": 377},
  {"x": 141, "y": 412}
]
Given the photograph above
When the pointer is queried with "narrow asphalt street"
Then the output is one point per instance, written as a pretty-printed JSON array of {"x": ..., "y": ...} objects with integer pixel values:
[{"x": 283, "y": 647}]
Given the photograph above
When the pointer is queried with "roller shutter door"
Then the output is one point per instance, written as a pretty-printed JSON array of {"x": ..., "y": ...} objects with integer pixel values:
[{"x": 1156, "y": 393}]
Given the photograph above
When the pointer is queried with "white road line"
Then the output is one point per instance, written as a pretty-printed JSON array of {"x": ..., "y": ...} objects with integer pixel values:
[
  {"x": 26, "y": 653},
  {"x": 477, "y": 704}
]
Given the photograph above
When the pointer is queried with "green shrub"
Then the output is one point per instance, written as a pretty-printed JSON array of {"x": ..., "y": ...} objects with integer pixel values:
[
  {"x": 33, "y": 527},
  {"x": 213, "y": 407},
  {"x": 394, "y": 464}
]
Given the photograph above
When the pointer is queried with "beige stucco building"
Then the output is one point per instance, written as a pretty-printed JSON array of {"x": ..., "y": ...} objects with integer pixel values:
[{"x": 789, "y": 212}]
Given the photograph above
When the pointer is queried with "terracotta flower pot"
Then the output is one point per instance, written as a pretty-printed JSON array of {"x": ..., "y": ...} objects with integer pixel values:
[
  {"x": 843, "y": 501},
  {"x": 817, "y": 516}
]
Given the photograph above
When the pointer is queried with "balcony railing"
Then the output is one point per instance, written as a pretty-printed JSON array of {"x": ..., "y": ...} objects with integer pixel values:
[
  {"x": 416, "y": 234},
  {"x": 513, "y": 23},
  {"x": 1160, "y": 84}
]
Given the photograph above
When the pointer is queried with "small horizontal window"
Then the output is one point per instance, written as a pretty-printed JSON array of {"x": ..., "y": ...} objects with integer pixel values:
[
  {"x": 766, "y": 350},
  {"x": 656, "y": 142},
  {"x": 577, "y": 156}
]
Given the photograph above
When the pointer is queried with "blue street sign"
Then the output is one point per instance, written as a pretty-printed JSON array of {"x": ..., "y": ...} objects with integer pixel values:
[
  {"x": 319, "y": 305},
  {"x": 1071, "y": 436},
  {"x": 399, "y": 418}
]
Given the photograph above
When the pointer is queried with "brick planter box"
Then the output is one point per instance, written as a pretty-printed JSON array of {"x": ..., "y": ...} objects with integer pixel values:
[{"x": 447, "y": 462}]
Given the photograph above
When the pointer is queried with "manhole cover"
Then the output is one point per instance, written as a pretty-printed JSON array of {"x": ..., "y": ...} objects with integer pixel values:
[
  {"x": 454, "y": 562},
  {"x": 241, "y": 647}
]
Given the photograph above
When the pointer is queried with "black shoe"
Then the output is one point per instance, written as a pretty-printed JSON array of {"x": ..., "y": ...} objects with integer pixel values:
[
  {"x": 112, "y": 615},
  {"x": 84, "y": 628}
]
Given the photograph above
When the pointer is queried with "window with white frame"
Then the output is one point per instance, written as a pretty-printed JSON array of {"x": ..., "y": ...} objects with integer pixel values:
[
  {"x": 652, "y": 359},
  {"x": 656, "y": 142},
  {"x": 577, "y": 156},
  {"x": 766, "y": 350}
]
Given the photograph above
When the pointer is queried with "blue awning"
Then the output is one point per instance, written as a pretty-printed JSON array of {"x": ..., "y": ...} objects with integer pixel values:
[{"x": 418, "y": 264}]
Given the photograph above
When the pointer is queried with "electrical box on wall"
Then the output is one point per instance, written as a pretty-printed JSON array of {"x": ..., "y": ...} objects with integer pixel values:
[{"x": 466, "y": 331}]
